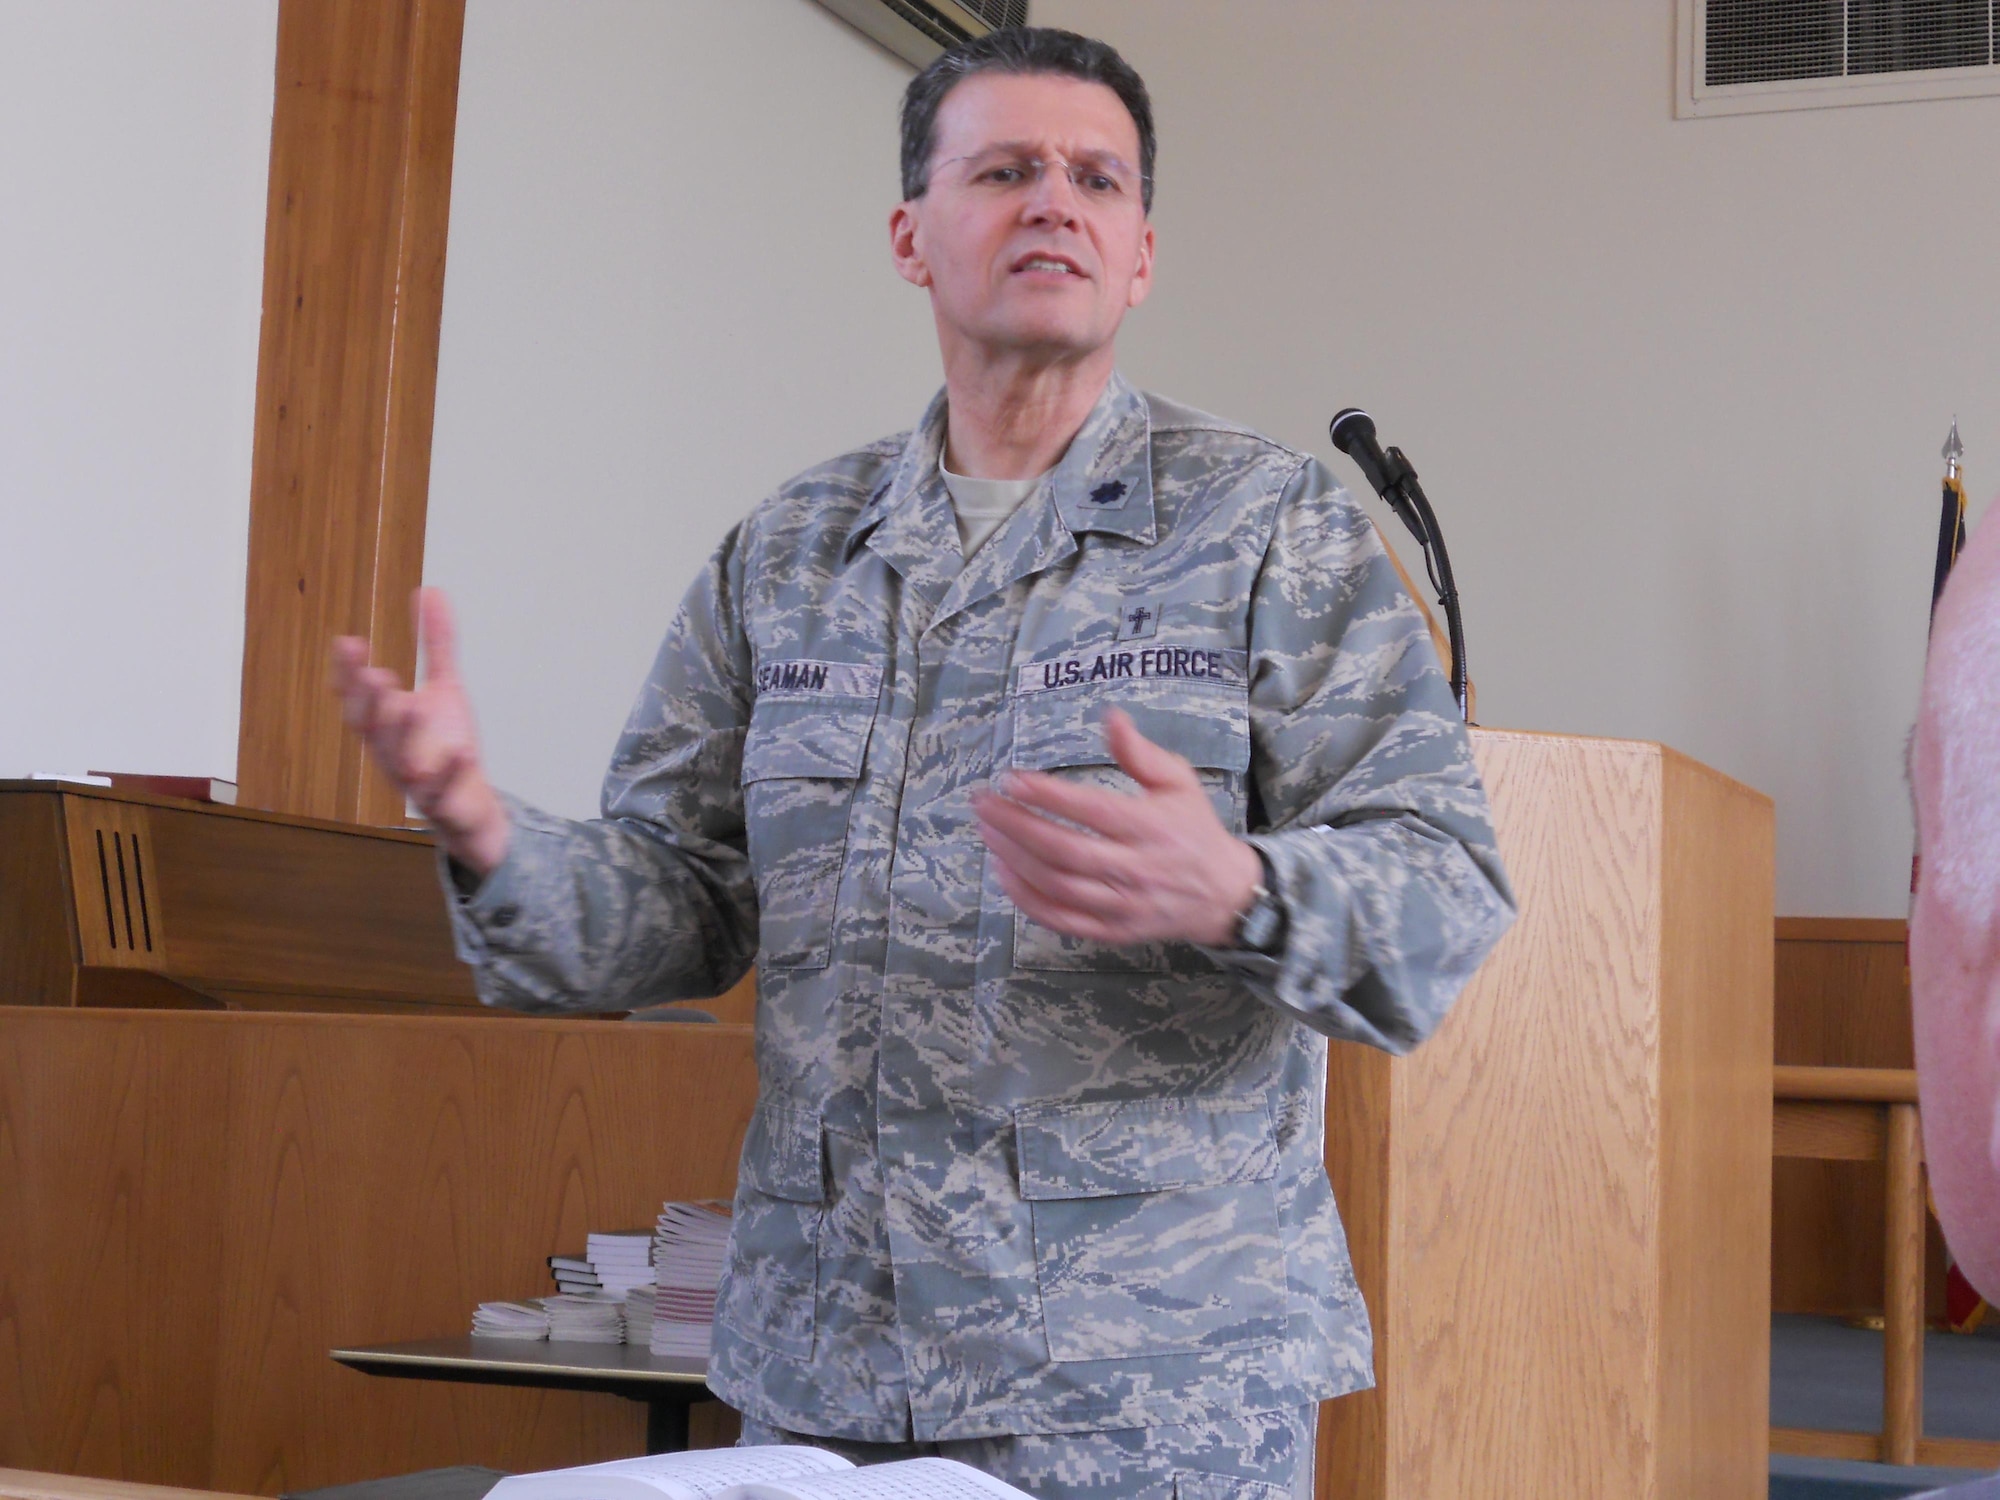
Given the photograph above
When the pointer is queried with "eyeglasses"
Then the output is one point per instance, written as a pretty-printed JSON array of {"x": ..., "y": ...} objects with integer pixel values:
[{"x": 1101, "y": 181}]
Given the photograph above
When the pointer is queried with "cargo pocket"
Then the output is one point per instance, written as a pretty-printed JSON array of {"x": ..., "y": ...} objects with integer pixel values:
[
  {"x": 772, "y": 1286},
  {"x": 801, "y": 761},
  {"x": 1156, "y": 1225},
  {"x": 1062, "y": 733},
  {"x": 1193, "y": 1484}
]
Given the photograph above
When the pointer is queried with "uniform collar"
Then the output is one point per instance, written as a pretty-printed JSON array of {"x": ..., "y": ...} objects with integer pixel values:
[{"x": 1104, "y": 482}]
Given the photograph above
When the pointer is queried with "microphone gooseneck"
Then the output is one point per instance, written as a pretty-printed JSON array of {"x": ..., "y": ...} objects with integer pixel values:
[{"x": 1393, "y": 478}]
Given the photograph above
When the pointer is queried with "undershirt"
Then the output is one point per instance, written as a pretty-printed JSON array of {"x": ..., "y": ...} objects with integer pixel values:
[{"x": 981, "y": 505}]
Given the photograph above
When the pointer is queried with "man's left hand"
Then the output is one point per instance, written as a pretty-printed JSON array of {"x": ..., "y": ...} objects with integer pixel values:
[{"x": 1153, "y": 866}]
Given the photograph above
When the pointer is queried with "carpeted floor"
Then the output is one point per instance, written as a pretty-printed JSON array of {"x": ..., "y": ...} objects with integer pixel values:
[{"x": 1827, "y": 1375}]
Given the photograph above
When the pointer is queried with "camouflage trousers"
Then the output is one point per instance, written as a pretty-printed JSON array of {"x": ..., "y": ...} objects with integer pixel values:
[{"x": 1263, "y": 1456}]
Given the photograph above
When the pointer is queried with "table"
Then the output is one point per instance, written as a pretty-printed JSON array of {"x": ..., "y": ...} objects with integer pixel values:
[{"x": 668, "y": 1385}]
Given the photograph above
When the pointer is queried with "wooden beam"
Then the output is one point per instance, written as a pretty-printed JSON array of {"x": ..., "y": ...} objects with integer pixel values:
[{"x": 354, "y": 251}]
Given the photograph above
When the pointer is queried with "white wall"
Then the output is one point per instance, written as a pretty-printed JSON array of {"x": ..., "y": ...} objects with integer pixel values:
[
  {"x": 668, "y": 289},
  {"x": 134, "y": 139},
  {"x": 1677, "y": 387}
]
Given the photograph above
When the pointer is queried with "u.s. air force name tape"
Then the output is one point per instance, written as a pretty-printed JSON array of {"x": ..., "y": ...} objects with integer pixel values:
[
  {"x": 818, "y": 679},
  {"x": 1155, "y": 663}
]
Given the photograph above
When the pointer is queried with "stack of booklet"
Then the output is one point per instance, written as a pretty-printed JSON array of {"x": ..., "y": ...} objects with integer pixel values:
[
  {"x": 688, "y": 1246},
  {"x": 510, "y": 1320},
  {"x": 612, "y": 1263},
  {"x": 622, "y": 1260},
  {"x": 590, "y": 1319},
  {"x": 772, "y": 1473},
  {"x": 639, "y": 1315},
  {"x": 574, "y": 1274}
]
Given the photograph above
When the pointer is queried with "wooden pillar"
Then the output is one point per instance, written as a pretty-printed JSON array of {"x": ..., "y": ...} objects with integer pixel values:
[
  {"x": 354, "y": 250},
  {"x": 1903, "y": 1290}
]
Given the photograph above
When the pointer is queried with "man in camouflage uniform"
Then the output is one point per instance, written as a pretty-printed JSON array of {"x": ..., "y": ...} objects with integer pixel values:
[{"x": 1035, "y": 1175}]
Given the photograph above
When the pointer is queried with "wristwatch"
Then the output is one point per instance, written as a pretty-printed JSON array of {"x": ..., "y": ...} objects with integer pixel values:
[{"x": 1261, "y": 926}]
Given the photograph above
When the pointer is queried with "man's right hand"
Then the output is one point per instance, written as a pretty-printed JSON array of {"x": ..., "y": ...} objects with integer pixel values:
[{"x": 425, "y": 740}]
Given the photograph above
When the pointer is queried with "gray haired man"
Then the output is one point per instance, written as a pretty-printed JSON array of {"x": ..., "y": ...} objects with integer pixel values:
[{"x": 1071, "y": 767}]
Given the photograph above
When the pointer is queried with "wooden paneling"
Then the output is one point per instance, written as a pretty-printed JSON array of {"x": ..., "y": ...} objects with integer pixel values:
[
  {"x": 354, "y": 252},
  {"x": 1842, "y": 1001},
  {"x": 1558, "y": 1204},
  {"x": 38, "y": 940},
  {"x": 199, "y": 1206}
]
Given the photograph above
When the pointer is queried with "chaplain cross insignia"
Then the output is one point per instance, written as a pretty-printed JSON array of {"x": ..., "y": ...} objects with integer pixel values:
[
  {"x": 1108, "y": 492},
  {"x": 1139, "y": 619}
]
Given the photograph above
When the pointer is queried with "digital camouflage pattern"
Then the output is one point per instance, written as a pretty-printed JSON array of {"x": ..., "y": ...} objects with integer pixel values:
[
  {"x": 1258, "y": 1456},
  {"x": 1000, "y": 1180}
]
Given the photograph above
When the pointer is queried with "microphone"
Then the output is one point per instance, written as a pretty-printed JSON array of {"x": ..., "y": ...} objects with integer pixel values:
[
  {"x": 1353, "y": 433},
  {"x": 1392, "y": 477}
]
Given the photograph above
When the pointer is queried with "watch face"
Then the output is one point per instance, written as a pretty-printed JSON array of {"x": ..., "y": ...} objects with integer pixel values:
[{"x": 1259, "y": 929}]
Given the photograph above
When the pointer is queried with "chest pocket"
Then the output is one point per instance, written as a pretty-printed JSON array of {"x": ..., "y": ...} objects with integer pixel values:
[
  {"x": 1062, "y": 732},
  {"x": 801, "y": 762}
]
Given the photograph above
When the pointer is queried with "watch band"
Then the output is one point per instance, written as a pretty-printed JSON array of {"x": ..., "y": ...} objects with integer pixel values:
[{"x": 1260, "y": 928}]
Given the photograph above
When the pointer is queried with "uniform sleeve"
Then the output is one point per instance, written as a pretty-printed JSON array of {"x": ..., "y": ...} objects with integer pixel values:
[
  {"x": 1375, "y": 822},
  {"x": 653, "y": 901}
]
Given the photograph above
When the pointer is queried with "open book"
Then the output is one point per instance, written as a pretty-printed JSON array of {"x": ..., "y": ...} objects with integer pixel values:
[{"x": 769, "y": 1473}]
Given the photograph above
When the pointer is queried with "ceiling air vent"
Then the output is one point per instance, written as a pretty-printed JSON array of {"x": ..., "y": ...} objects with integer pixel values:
[
  {"x": 1739, "y": 56},
  {"x": 918, "y": 30}
]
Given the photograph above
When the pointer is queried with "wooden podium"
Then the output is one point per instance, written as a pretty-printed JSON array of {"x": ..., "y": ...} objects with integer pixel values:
[{"x": 1560, "y": 1206}]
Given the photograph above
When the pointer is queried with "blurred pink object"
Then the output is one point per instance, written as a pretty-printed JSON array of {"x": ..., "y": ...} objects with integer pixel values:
[{"x": 1955, "y": 918}]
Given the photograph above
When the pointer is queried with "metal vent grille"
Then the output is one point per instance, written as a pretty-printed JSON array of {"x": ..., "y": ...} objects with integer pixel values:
[
  {"x": 946, "y": 30},
  {"x": 1769, "y": 41},
  {"x": 999, "y": 13},
  {"x": 918, "y": 30}
]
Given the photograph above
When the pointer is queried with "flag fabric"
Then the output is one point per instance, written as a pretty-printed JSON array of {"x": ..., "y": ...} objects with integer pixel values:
[{"x": 1964, "y": 1308}]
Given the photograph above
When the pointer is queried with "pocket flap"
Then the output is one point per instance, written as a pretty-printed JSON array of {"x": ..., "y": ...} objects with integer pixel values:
[
  {"x": 1208, "y": 727},
  {"x": 805, "y": 739},
  {"x": 1143, "y": 1146},
  {"x": 781, "y": 1154}
]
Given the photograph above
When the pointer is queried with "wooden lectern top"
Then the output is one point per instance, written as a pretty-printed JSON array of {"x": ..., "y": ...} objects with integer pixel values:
[{"x": 126, "y": 898}]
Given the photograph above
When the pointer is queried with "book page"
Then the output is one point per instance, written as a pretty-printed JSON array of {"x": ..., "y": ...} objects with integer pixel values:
[
  {"x": 699, "y": 1474},
  {"x": 911, "y": 1479}
]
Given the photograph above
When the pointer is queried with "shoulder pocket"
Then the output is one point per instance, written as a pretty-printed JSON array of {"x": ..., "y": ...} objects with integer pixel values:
[
  {"x": 1156, "y": 1225},
  {"x": 801, "y": 762}
]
